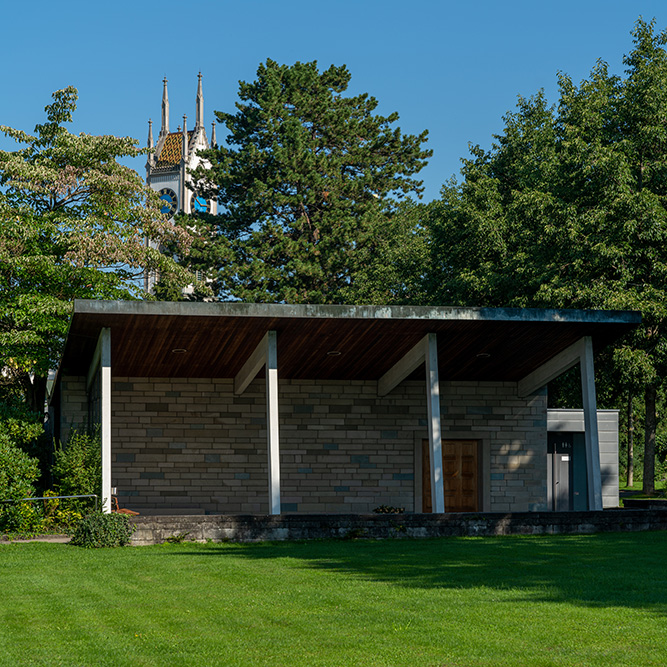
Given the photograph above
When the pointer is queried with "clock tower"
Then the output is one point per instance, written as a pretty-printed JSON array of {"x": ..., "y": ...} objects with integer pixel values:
[{"x": 174, "y": 154}]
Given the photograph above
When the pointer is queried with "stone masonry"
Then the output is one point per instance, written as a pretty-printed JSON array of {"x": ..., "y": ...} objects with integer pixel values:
[{"x": 190, "y": 446}]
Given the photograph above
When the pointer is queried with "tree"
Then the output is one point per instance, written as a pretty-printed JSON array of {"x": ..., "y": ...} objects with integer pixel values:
[
  {"x": 308, "y": 182},
  {"x": 73, "y": 224},
  {"x": 568, "y": 209}
]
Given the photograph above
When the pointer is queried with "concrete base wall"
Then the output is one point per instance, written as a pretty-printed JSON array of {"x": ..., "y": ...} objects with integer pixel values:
[{"x": 154, "y": 530}]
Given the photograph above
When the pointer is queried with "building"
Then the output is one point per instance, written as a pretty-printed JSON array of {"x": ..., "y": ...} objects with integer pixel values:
[
  {"x": 237, "y": 408},
  {"x": 175, "y": 153}
]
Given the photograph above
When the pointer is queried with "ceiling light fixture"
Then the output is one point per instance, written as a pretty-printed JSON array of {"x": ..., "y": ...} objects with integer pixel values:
[
  {"x": 483, "y": 355},
  {"x": 333, "y": 353},
  {"x": 179, "y": 350}
]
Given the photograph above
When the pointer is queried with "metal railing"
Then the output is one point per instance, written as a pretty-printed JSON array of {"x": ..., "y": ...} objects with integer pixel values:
[{"x": 20, "y": 500}]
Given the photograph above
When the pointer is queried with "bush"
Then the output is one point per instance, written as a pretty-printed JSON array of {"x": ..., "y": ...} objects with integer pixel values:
[
  {"x": 25, "y": 429},
  {"x": 99, "y": 530},
  {"x": 77, "y": 469},
  {"x": 17, "y": 473},
  {"x": 389, "y": 509},
  {"x": 57, "y": 516}
]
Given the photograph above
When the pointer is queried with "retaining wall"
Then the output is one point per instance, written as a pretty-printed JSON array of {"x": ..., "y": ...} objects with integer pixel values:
[{"x": 251, "y": 528}]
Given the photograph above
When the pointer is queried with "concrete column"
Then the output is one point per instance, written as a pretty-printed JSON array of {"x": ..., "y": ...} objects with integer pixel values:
[
  {"x": 266, "y": 355},
  {"x": 594, "y": 477},
  {"x": 105, "y": 400},
  {"x": 434, "y": 425},
  {"x": 272, "y": 422}
]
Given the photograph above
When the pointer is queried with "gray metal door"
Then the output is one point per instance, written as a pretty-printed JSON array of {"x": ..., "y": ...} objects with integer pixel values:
[{"x": 559, "y": 470}]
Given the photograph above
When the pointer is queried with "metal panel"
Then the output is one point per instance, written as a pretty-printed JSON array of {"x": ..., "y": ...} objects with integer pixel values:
[{"x": 563, "y": 421}]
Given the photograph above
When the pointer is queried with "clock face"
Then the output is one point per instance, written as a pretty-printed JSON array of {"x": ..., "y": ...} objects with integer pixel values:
[
  {"x": 199, "y": 205},
  {"x": 170, "y": 201}
]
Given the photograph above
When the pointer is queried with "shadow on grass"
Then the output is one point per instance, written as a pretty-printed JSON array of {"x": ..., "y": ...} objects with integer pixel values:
[{"x": 618, "y": 569}]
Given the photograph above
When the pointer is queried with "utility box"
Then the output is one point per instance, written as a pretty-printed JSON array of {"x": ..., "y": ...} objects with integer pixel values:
[{"x": 567, "y": 487}]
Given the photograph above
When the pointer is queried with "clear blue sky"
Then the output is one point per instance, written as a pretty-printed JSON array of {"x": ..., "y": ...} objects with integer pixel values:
[{"x": 453, "y": 68}]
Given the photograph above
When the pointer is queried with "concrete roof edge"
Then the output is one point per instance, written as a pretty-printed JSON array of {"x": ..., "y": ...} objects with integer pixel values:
[{"x": 274, "y": 310}]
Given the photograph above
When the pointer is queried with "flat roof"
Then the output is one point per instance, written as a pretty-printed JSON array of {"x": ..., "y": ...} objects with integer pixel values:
[{"x": 327, "y": 341}]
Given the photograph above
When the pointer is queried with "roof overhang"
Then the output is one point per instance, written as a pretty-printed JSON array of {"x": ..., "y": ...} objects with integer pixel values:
[{"x": 213, "y": 340}]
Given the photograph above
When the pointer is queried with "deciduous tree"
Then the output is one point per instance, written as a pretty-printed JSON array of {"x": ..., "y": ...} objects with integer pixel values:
[
  {"x": 74, "y": 223},
  {"x": 568, "y": 209}
]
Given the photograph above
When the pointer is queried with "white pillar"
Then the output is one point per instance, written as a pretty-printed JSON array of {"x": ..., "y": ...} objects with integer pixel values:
[
  {"x": 266, "y": 355},
  {"x": 434, "y": 426},
  {"x": 272, "y": 422},
  {"x": 105, "y": 401},
  {"x": 591, "y": 426}
]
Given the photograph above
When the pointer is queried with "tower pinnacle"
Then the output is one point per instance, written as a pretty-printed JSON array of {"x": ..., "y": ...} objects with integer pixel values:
[
  {"x": 165, "y": 110},
  {"x": 200, "y": 104},
  {"x": 185, "y": 137}
]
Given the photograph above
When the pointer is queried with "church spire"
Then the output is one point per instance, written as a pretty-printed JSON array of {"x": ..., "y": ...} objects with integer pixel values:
[
  {"x": 185, "y": 137},
  {"x": 165, "y": 110},
  {"x": 200, "y": 105}
]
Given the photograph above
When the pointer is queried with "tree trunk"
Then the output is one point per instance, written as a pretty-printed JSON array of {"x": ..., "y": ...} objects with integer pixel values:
[
  {"x": 35, "y": 392},
  {"x": 631, "y": 435},
  {"x": 648, "y": 486}
]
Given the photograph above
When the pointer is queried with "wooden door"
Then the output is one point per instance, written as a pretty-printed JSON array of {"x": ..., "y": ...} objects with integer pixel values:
[{"x": 459, "y": 466}]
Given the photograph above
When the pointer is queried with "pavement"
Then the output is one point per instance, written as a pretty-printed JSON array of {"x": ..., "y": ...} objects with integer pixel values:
[{"x": 55, "y": 539}]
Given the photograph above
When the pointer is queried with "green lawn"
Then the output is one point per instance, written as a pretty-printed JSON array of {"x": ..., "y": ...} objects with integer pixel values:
[
  {"x": 563, "y": 600},
  {"x": 660, "y": 485}
]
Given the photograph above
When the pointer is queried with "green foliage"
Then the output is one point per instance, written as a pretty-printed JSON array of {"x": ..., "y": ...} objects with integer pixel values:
[
  {"x": 73, "y": 224},
  {"x": 388, "y": 509},
  {"x": 569, "y": 210},
  {"x": 100, "y": 530},
  {"x": 59, "y": 515},
  {"x": 306, "y": 188},
  {"x": 18, "y": 471},
  {"x": 77, "y": 468},
  {"x": 25, "y": 429},
  {"x": 20, "y": 424},
  {"x": 178, "y": 538}
]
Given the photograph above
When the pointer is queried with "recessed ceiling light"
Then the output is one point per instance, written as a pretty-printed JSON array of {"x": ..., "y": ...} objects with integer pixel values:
[
  {"x": 333, "y": 353},
  {"x": 179, "y": 350},
  {"x": 483, "y": 355}
]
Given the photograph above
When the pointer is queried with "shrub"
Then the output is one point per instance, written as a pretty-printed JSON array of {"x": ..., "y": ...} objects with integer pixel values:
[
  {"x": 25, "y": 429},
  {"x": 57, "y": 517},
  {"x": 99, "y": 530},
  {"x": 17, "y": 473},
  {"x": 77, "y": 469},
  {"x": 389, "y": 509}
]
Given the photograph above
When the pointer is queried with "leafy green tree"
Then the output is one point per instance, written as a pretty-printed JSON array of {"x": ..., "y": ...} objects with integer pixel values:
[
  {"x": 390, "y": 268},
  {"x": 73, "y": 224},
  {"x": 18, "y": 471},
  {"x": 568, "y": 209},
  {"x": 309, "y": 181}
]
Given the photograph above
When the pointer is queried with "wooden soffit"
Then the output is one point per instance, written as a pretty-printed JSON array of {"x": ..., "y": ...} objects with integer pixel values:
[{"x": 213, "y": 340}]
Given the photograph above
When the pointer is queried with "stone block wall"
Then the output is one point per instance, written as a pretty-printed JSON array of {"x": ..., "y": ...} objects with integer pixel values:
[
  {"x": 192, "y": 446},
  {"x": 513, "y": 435},
  {"x": 73, "y": 406}
]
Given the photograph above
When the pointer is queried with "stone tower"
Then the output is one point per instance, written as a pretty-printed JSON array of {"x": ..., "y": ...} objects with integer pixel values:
[{"x": 174, "y": 155}]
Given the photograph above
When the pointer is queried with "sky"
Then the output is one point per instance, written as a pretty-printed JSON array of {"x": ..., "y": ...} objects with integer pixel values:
[{"x": 453, "y": 68}]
